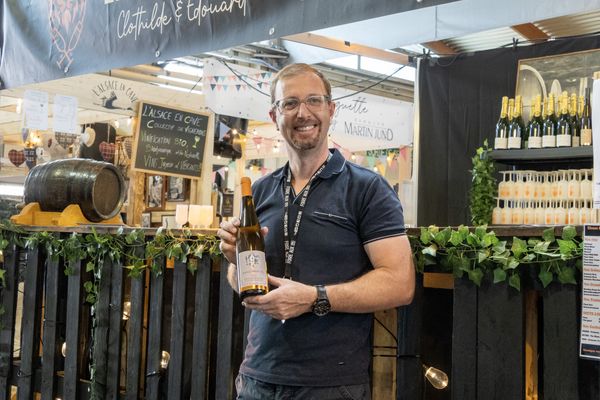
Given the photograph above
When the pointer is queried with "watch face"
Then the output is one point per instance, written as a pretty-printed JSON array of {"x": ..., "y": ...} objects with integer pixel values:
[{"x": 321, "y": 307}]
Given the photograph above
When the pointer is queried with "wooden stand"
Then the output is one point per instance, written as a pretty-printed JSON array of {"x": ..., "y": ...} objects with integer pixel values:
[{"x": 32, "y": 214}]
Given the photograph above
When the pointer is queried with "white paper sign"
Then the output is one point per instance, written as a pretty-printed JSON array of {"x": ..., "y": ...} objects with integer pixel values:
[
  {"x": 35, "y": 109},
  {"x": 368, "y": 122},
  {"x": 590, "y": 294},
  {"x": 65, "y": 114}
]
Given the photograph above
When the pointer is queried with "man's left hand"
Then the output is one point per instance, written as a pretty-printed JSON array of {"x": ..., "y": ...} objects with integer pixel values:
[{"x": 289, "y": 299}]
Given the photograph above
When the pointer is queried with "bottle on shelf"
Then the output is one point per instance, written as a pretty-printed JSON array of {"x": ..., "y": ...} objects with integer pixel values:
[
  {"x": 585, "y": 121},
  {"x": 501, "y": 139},
  {"x": 535, "y": 125},
  {"x": 516, "y": 128},
  {"x": 563, "y": 124},
  {"x": 549, "y": 126},
  {"x": 574, "y": 122},
  {"x": 250, "y": 248}
]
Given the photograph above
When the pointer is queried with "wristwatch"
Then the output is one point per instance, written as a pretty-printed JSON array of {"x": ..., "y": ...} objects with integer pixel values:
[{"x": 321, "y": 306}]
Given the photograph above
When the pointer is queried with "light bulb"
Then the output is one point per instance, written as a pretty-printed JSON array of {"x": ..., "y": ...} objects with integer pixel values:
[
  {"x": 165, "y": 357},
  {"x": 126, "y": 310},
  {"x": 436, "y": 377},
  {"x": 63, "y": 349}
]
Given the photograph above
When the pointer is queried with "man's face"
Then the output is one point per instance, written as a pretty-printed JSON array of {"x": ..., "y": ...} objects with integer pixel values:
[{"x": 306, "y": 127}]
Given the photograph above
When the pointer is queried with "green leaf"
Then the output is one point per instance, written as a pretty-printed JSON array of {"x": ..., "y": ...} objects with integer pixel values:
[
  {"x": 2, "y": 277},
  {"x": 541, "y": 246},
  {"x": 499, "y": 247},
  {"x": 518, "y": 247},
  {"x": 515, "y": 281},
  {"x": 476, "y": 275},
  {"x": 473, "y": 240},
  {"x": 482, "y": 255},
  {"x": 499, "y": 275},
  {"x": 566, "y": 247},
  {"x": 456, "y": 238},
  {"x": 489, "y": 239},
  {"x": 545, "y": 277},
  {"x": 442, "y": 237},
  {"x": 512, "y": 263},
  {"x": 426, "y": 237},
  {"x": 481, "y": 231},
  {"x": 89, "y": 266},
  {"x": 548, "y": 235},
  {"x": 569, "y": 233},
  {"x": 567, "y": 275}
]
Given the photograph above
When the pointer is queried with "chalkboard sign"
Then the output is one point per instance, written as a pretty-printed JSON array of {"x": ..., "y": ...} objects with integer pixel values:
[{"x": 169, "y": 141}]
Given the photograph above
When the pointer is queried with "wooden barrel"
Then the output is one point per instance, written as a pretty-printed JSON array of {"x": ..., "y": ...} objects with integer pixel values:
[{"x": 97, "y": 187}]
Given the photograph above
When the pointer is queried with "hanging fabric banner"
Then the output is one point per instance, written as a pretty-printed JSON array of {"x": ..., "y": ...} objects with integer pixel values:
[{"x": 45, "y": 40}]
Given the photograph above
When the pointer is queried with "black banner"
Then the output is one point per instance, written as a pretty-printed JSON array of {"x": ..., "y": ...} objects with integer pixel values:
[
  {"x": 170, "y": 142},
  {"x": 45, "y": 40}
]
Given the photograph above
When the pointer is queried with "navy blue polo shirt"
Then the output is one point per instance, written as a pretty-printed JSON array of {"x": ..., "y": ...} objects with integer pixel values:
[{"x": 347, "y": 207}]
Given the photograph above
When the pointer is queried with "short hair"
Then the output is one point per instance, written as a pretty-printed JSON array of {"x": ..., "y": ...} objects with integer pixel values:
[{"x": 294, "y": 70}]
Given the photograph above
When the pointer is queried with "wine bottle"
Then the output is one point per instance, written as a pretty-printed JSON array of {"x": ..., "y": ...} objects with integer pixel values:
[
  {"x": 250, "y": 248},
  {"x": 574, "y": 121},
  {"x": 549, "y": 126},
  {"x": 563, "y": 125},
  {"x": 535, "y": 125},
  {"x": 585, "y": 123},
  {"x": 501, "y": 140},
  {"x": 516, "y": 128}
]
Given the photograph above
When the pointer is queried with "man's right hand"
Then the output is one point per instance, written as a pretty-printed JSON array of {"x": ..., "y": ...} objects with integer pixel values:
[{"x": 228, "y": 235}]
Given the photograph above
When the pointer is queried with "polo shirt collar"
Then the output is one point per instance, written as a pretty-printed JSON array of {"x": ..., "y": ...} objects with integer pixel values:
[{"x": 333, "y": 167}]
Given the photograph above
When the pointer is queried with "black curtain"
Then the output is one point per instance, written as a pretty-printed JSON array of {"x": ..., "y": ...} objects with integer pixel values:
[{"x": 459, "y": 105}]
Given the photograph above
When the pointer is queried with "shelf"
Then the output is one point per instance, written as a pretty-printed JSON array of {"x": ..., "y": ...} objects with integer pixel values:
[{"x": 528, "y": 156}]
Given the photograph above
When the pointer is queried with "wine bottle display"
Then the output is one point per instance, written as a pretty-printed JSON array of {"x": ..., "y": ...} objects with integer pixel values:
[
  {"x": 563, "y": 125},
  {"x": 535, "y": 125},
  {"x": 501, "y": 140},
  {"x": 585, "y": 123},
  {"x": 574, "y": 121},
  {"x": 250, "y": 248},
  {"x": 549, "y": 127},
  {"x": 516, "y": 128}
]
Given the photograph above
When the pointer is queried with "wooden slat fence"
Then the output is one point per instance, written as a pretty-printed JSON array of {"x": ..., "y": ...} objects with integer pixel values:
[{"x": 168, "y": 312}]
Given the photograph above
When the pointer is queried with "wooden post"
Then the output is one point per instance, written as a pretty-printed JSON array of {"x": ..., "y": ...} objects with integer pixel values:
[{"x": 135, "y": 193}]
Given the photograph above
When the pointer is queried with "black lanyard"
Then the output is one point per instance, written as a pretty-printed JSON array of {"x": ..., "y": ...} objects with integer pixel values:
[{"x": 290, "y": 245}]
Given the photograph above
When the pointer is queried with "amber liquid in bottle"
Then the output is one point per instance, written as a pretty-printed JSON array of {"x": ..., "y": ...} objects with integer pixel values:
[{"x": 250, "y": 248}]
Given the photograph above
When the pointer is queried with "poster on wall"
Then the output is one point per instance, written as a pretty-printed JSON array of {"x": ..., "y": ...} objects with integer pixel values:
[{"x": 590, "y": 294}]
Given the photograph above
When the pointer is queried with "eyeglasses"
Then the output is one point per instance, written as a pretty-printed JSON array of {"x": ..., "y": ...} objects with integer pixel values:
[{"x": 291, "y": 104}]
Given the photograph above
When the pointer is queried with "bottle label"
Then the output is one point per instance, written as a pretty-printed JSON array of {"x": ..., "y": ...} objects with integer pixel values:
[
  {"x": 586, "y": 137},
  {"x": 252, "y": 270},
  {"x": 535, "y": 142},
  {"x": 563, "y": 140},
  {"x": 575, "y": 142},
  {"x": 549, "y": 141},
  {"x": 500, "y": 143},
  {"x": 514, "y": 142}
]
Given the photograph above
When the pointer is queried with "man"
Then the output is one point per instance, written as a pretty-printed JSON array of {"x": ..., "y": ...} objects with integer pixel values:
[{"x": 345, "y": 256}]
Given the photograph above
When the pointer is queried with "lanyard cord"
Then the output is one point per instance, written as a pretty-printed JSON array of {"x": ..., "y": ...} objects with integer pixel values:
[{"x": 290, "y": 245}]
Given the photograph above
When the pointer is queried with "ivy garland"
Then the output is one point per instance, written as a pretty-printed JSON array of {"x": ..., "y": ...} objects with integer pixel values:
[
  {"x": 131, "y": 248},
  {"x": 479, "y": 253}
]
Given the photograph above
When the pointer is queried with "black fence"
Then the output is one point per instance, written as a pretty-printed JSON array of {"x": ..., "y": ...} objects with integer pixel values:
[{"x": 171, "y": 335}]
